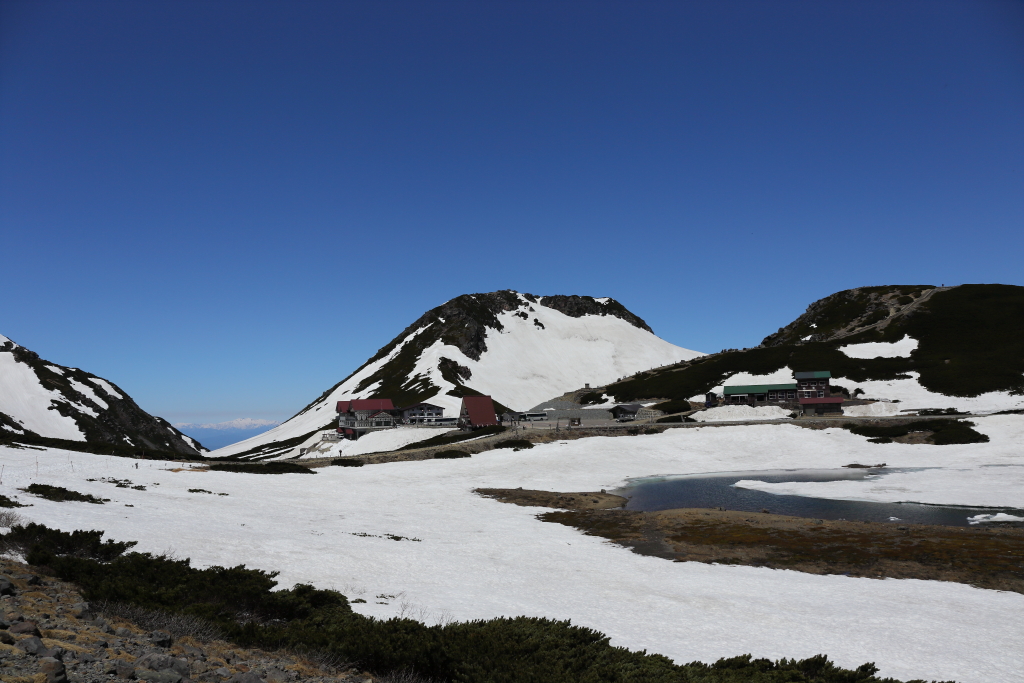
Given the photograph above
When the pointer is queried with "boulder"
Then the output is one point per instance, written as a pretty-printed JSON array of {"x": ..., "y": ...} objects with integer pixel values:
[
  {"x": 6, "y": 638},
  {"x": 123, "y": 632},
  {"x": 158, "y": 661},
  {"x": 161, "y": 639},
  {"x": 54, "y": 670},
  {"x": 31, "y": 645},
  {"x": 6, "y": 587},
  {"x": 23, "y": 627},
  {"x": 120, "y": 668}
]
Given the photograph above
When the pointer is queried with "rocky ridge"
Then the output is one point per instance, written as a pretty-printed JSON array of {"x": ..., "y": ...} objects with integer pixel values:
[
  {"x": 49, "y": 634},
  {"x": 108, "y": 420}
]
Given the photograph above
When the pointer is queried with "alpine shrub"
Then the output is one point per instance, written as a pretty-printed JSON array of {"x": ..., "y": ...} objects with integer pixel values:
[
  {"x": 347, "y": 462},
  {"x": 262, "y": 468},
  {"x": 444, "y": 455},
  {"x": 60, "y": 494},
  {"x": 517, "y": 444}
]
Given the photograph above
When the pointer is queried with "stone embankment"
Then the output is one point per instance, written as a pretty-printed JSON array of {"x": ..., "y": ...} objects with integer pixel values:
[{"x": 49, "y": 634}]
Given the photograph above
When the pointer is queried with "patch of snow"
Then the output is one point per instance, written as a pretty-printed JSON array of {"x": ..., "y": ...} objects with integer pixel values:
[
  {"x": 604, "y": 404},
  {"x": 741, "y": 412},
  {"x": 807, "y": 337},
  {"x": 997, "y": 517},
  {"x": 897, "y": 349},
  {"x": 13, "y": 429},
  {"x": 23, "y": 397},
  {"x": 88, "y": 393},
  {"x": 386, "y": 440},
  {"x": 193, "y": 443},
  {"x": 54, "y": 368},
  {"x": 483, "y": 555},
  {"x": 602, "y": 300},
  {"x": 913, "y": 396},
  {"x": 879, "y": 409},
  {"x": 106, "y": 386}
]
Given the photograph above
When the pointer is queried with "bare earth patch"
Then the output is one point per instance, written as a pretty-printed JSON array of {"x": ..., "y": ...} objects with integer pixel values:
[{"x": 985, "y": 557}]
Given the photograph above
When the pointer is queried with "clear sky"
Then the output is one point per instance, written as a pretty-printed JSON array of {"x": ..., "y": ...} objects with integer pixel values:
[{"x": 226, "y": 207}]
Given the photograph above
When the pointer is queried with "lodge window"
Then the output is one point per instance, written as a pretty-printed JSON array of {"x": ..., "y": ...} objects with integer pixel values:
[
  {"x": 771, "y": 395},
  {"x": 821, "y": 394},
  {"x": 792, "y": 394}
]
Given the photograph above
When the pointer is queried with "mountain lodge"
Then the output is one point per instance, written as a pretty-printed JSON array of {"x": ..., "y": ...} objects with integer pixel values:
[{"x": 811, "y": 392}]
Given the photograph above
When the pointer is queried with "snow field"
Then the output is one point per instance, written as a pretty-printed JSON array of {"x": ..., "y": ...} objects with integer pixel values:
[
  {"x": 478, "y": 558},
  {"x": 741, "y": 412},
  {"x": 387, "y": 440}
]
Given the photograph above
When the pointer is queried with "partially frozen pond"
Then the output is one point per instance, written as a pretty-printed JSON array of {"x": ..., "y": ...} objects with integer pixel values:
[{"x": 717, "y": 489}]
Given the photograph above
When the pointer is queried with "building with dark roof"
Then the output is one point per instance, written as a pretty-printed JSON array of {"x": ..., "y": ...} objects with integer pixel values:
[{"x": 812, "y": 391}]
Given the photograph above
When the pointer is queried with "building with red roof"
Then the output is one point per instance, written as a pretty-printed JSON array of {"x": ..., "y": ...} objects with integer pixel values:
[{"x": 476, "y": 412}]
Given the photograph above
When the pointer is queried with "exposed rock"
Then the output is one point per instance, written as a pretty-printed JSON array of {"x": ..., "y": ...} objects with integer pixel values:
[
  {"x": 32, "y": 645},
  {"x": 161, "y": 638},
  {"x": 54, "y": 670}
]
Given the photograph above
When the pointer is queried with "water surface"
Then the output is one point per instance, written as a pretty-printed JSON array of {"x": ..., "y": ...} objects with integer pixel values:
[{"x": 716, "y": 490}]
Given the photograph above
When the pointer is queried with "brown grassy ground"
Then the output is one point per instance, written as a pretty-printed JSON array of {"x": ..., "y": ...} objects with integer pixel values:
[{"x": 984, "y": 557}]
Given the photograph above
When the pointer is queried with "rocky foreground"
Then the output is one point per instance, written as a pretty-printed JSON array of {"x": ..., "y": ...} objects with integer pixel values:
[{"x": 49, "y": 634}]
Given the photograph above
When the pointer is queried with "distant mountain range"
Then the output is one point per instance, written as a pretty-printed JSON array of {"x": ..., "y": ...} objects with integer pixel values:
[
  {"x": 520, "y": 349},
  {"x": 43, "y": 403}
]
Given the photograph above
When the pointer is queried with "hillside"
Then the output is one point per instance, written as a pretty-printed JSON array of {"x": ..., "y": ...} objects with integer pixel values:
[
  {"x": 518, "y": 348},
  {"x": 929, "y": 347},
  {"x": 43, "y": 403}
]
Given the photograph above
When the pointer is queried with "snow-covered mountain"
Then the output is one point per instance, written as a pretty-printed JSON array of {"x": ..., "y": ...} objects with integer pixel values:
[
  {"x": 45, "y": 403},
  {"x": 520, "y": 349}
]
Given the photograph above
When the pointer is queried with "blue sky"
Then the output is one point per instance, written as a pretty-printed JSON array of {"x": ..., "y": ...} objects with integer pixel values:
[{"x": 225, "y": 207}]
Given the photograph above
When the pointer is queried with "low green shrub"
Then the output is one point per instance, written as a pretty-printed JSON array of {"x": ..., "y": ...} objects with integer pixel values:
[
  {"x": 445, "y": 455},
  {"x": 262, "y": 468},
  {"x": 242, "y": 606},
  {"x": 518, "y": 444},
  {"x": 676, "y": 406},
  {"x": 347, "y": 462},
  {"x": 60, "y": 494},
  {"x": 590, "y": 398},
  {"x": 85, "y": 544},
  {"x": 939, "y": 411},
  {"x": 944, "y": 432},
  {"x": 6, "y": 502}
]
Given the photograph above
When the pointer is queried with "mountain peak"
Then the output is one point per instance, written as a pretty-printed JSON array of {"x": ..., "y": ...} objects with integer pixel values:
[{"x": 519, "y": 348}]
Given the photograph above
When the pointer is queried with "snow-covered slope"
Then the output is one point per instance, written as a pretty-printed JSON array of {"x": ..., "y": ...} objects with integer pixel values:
[
  {"x": 40, "y": 400},
  {"x": 928, "y": 347},
  {"x": 517, "y": 348}
]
